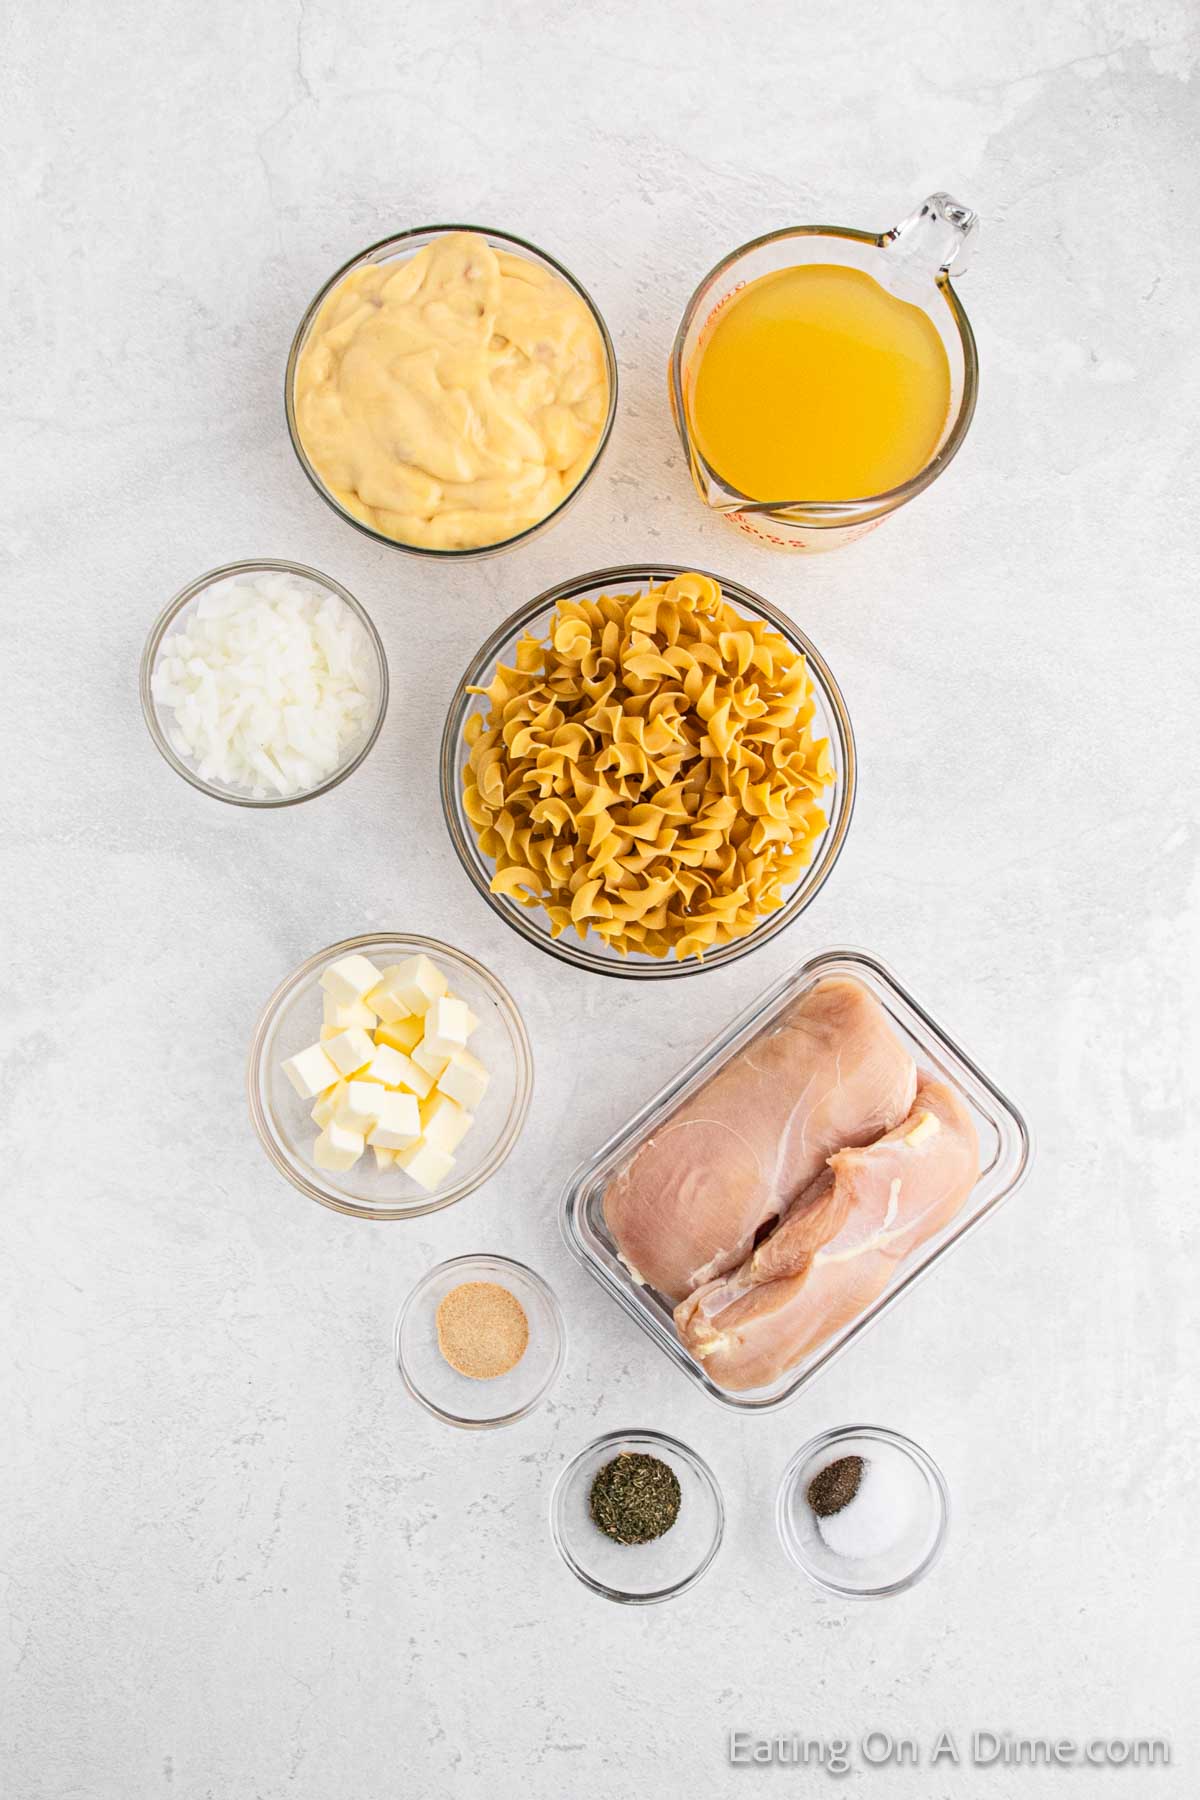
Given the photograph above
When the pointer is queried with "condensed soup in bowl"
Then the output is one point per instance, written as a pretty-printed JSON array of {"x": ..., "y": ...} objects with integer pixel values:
[{"x": 450, "y": 390}]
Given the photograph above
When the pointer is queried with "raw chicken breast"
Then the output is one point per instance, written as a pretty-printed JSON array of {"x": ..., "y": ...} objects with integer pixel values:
[
  {"x": 829, "y": 1072},
  {"x": 838, "y": 1247}
]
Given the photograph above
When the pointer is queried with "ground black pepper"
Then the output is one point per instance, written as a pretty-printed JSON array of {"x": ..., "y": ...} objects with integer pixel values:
[
  {"x": 635, "y": 1498},
  {"x": 835, "y": 1486}
]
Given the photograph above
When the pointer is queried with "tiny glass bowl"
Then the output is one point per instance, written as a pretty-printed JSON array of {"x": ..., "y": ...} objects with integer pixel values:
[
  {"x": 462, "y": 1400},
  {"x": 638, "y": 1574},
  {"x": 918, "y": 1544},
  {"x": 159, "y": 718},
  {"x": 398, "y": 249},
  {"x": 291, "y": 1020},
  {"x": 831, "y": 720}
]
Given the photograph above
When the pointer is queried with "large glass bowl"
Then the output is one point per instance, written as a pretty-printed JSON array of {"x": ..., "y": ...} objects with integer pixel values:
[
  {"x": 291, "y": 1020},
  {"x": 397, "y": 249},
  {"x": 831, "y": 721},
  {"x": 158, "y": 717}
]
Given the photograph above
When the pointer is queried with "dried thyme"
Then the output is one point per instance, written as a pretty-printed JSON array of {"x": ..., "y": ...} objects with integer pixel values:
[{"x": 635, "y": 1498}]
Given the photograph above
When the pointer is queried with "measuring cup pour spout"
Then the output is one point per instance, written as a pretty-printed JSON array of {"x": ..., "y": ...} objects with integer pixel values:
[{"x": 939, "y": 236}]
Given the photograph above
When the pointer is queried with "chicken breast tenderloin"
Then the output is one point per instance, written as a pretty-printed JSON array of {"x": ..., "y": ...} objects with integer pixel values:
[
  {"x": 828, "y": 1073},
  {"x": 838, "y": 1246}
]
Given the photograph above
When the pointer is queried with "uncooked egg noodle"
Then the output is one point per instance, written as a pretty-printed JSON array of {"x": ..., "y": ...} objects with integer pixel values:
[{"x": 650, "y": 772}]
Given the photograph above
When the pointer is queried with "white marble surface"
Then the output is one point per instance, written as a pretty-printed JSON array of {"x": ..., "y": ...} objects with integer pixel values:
[{"x": 237, "y": 1563}]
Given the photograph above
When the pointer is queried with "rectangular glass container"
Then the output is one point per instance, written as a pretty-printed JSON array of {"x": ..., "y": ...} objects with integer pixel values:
[{"x": 1005, "y": 1153}]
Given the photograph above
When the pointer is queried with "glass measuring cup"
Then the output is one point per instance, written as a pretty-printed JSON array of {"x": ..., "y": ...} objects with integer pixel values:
[{"x": 914, "y": 261}]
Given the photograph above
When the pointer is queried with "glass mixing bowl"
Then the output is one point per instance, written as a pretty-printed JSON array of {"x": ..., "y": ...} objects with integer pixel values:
[
  {"x": 831, "y": 721},
  {"x": 638, "y": 1574},
  {"x": 291, "y": 1020},
  {"x": 159, "y": 718},
  {"x": 397, "y": 249}
]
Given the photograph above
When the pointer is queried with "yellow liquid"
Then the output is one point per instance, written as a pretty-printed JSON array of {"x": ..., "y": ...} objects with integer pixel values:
[{"x": 817, "y": 384}]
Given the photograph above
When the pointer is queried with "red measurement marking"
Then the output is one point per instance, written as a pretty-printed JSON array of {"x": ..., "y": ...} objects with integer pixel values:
[{"x": 735, "y": 289}]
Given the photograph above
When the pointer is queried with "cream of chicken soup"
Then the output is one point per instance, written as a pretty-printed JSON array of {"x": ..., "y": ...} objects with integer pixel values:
[{"x": 454, "y": 399}]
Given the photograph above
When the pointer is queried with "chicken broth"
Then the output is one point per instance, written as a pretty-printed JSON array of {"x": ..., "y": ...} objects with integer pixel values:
[{"x": 817, "y": 384}]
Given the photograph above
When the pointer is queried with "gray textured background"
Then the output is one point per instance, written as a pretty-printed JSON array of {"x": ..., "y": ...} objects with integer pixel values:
[{"x": 236, "y": 1561}]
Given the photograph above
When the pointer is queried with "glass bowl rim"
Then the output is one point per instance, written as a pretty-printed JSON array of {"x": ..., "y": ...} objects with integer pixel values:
[
  {"x": 697, "y": 1465},
  {"x": 826, "y": 1440},
  {"x": 395, "y": 242},
  {"x": 168, "y": 616},
  {"x": 518, "y": 1112},
  {"x": 832, "y": 512},
  {"x": 546, "y": 1294},
  {"x": 577, "y": 955}
]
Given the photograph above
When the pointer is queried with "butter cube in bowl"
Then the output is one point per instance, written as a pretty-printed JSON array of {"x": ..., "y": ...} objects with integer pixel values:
[{"x": 389, "y": 1076}]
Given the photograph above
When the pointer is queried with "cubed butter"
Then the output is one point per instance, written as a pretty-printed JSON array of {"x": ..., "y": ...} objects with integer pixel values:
[
  {"x": 350, "y": 978},
  {"x": 344, "y": 1014},
  {"x": 472, "y": 1021},
  {"x": 388, "y": 1066},
  {"x": 349, "y": 1051},
  {"x": 427, "y": 1165},
  {"x": 465, "y": 1079},
  {"x": 413, "y": 1078},
  {"x": 384, "y": 998},
  {"x": 444, "y": 1124},
  {"x": 359, "y": 1106},
  {"x": 399, "y": 1121},
  {"x": 338, "y": 1148},
  {"x": 402, "y": 1034},
  {"x": 311, "y": 1071},
  {"x": 446, "y": 1026},
  {"x": 327, "y": 1106},
  {"x": 387, "y": 1037},
  {"x": 416, "y": 983},
  {"x": 432, "y": 1061}
]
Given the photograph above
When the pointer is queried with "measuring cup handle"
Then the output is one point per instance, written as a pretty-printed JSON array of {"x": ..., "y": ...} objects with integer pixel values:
[{"x": 935, "y": 239}]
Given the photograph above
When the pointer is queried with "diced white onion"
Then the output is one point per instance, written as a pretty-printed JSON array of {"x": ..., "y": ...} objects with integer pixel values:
[{"x": 271, "y": 680}]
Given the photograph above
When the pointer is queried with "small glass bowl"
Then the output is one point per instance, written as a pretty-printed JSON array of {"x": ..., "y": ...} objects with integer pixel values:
[
  {"x": 891, "y": 1571},
  {"x": 291, "y": 1020},
  {"x": 394, "y": 249},
  {"x": 831, "y": 721},
  {"x": 459, "y": 1399},
  {"x": 638, "y": 1574},
  {"x": 158, "y": 718}
]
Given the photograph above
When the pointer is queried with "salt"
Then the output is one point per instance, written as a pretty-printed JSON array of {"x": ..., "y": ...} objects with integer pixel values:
[{"x": 882, "y": 1513}]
